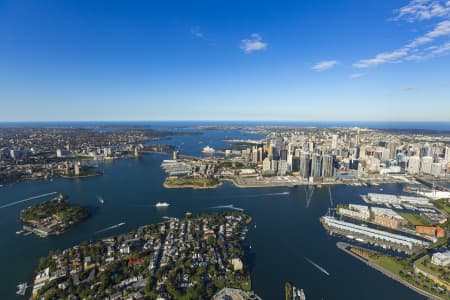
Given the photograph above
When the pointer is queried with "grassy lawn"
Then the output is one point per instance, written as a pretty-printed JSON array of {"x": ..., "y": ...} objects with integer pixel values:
[
  {"x": 443, "y": 205},
  {"x": 414, "y": 219},
  {"x": 190, "y": 181},
  {"x": 425, "y": 264},
  {"x": 395, "y": 266},
  {"x": 389, "y": 263}
]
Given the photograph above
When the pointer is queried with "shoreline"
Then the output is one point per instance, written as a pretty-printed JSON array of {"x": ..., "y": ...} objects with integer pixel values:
[
  {"x": 343, "y": 246},
  {"x": 81, "y": 176},
  {"x": 270, "y": 184},
  {"x": 191, "y": 186},
  {"x": 282, "y": 184}
]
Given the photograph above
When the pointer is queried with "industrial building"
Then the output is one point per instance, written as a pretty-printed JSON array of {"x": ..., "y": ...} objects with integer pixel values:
[
  {"x": 394, "y": 199},
  {"x": 393, "y": 240}
]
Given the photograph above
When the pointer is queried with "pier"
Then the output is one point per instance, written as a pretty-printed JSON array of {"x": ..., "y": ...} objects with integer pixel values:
[
  {"x": 373, "y": 236},
  {"x": 431, "y": 184}
]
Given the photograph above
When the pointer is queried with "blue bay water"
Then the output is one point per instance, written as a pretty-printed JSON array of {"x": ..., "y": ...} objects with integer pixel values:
[{"x": 286, "y": 230}]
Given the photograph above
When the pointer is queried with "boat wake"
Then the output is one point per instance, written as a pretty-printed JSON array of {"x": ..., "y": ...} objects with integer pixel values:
[
  {"x": 257, "y": 195},
  {"x": 110, "y": 228},
  {"x": 275, "y": 194},
  {"x": 231, "y": 206},
  {"x": 317, "y": 266},
  {"x": 27, "y": 199}
]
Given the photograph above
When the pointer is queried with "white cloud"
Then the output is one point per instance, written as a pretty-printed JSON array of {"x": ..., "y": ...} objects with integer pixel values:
[
  {"x": 196, "y": 31},
  {"x": 412, "y": 50},
  {"x": 385, "y": 57},
  {"x": 441, "y": 29},
  {"x": 324, "y": 65},
  {"x": 442, "y": 49},
  {"x": 357, "y": 75},
  {"x": 419, "y": 10},
  {"x": 415, "y": 50},
  {"x": 254, "y": 43}
]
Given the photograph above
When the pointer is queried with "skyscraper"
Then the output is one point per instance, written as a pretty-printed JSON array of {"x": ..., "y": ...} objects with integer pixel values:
[
  {"x": 358, "y": 137},
  {"x": 327, "y": 166},
  {"x": 334, "y": 141},
  {"x": 316, "y": 165},
  {"x": 414, "y": 165},
  {"x": 425, "y": 166},
  {"x": 305, "y": 165}
]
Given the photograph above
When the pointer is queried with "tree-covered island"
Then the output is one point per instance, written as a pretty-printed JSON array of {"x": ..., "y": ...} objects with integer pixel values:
[{"x": 52, "y": 217}]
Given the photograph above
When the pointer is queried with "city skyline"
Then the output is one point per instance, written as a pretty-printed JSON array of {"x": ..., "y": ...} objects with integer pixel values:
[{"x": 306, "y": 61}]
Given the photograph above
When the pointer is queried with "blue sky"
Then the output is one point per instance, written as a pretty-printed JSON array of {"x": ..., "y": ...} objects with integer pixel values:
[{"x": 225, "y": 60}]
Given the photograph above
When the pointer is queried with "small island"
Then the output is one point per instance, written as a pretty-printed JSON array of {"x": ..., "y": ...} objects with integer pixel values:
[
  {"x": 52, "y": 217},
  {"x": 191, "y": 258}
]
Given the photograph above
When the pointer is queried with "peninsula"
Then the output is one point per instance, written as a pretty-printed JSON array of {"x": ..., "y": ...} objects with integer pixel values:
[{"x": 191, "y": 258}]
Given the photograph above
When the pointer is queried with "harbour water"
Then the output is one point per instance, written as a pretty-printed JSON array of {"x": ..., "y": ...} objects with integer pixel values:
[{"x": 286, "y": 232}]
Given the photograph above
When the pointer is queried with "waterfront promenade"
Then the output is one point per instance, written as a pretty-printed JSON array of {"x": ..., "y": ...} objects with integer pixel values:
[{"x": 344, "y": 247}]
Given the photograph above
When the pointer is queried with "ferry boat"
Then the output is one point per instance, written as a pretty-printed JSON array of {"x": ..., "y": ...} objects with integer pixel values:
[
  {"x": 208, "y": 149},
  {"x": 162, "y": 204}
]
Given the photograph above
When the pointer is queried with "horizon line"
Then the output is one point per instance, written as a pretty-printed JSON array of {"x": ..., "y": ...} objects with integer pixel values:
[{"x": 244, "y": 121}]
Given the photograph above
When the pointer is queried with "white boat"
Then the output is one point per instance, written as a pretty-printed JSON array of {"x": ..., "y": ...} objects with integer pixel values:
[
  {"x": 162, "y": 204},
  {"x": 100, "y": 199},
  {"x": 208, "y": 149},
  {"x": 301, "y": 294},
  {"x": 22, "y": 288}
]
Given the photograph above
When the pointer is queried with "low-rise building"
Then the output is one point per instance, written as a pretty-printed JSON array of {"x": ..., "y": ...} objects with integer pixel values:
[
  {"x": 441, "y": 258},
  {"x": 434, "y": 231},
  {"x": 356, "y": 211},
  {"x": 387, "y": 217}
]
